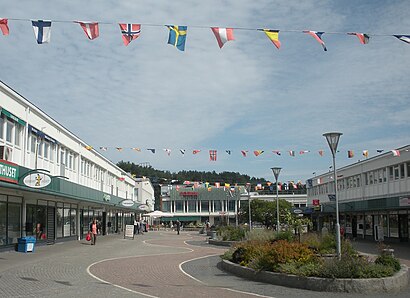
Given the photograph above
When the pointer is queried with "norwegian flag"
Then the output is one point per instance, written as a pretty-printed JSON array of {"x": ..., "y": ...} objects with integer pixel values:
[
  {"x": 130, "y": 32},
  {"x": 222, "y": 35},
  {"x": 244, "y": 152},
  {"x": 4, "y": 26},
  {"x": 364, "y": 38},
  {"x": 396, "y": 152},
  {"x": 212, "y": 155},
  {"x": 318, "y": 36},
  {"x": 196, "y": 151},
  {"x": 90, "y": 29}
]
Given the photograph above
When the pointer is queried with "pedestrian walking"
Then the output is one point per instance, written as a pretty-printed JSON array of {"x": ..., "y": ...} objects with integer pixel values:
[
  {"x": 178, "y": 224},
  {"x": 93, "y": 231},
  {"x": 136, "y": 223}
]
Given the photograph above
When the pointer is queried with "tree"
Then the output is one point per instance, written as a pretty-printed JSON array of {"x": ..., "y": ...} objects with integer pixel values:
[
  {"x": 264, "y": 212},
  {"x": 296, "y": 223}
]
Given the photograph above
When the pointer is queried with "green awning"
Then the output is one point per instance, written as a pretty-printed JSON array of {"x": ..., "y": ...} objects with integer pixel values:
[
  {"x": 181, "y": 218},
  {"x": 13, "y": 117}
]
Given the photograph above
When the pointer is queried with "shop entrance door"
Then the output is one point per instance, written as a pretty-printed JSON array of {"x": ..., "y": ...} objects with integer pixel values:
[
  {"x": 51, "y": 221},
  {"x": 403, "y": 228},
  {"x": 354, "y": 226}
]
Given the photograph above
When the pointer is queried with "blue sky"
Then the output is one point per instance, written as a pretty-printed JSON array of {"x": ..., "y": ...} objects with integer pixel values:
[{"x": 246, "y": 96}]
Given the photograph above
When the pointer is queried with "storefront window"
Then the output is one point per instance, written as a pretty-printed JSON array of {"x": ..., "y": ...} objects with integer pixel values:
[
  {"x": 218, "y": 206},
  {"x": 369, "y": 225},
  {"x": 191, "y": 206},
  {"x": 205, "y": 206},
  {"x": 41, "y": 220},
  {"x": 59, "y": 222},
  {"x": 66, "y": 222},
  {"x": 166, "y": 206},
  {"x": 394, "y": 225},
  {"x": 3, "y": 222},
  {"x": 384, "y": 223},
  {"x": 179, "y": 206},
  {"x": 73, "y": 221},
  {"x": 231, "y": 205},
  {"x": 14, "y": 222}
]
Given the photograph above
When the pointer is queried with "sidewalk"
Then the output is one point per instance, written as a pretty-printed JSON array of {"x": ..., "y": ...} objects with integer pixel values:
[{"x": 401, "y": 249}]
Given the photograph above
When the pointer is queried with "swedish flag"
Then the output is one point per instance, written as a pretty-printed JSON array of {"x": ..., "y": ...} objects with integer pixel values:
[{"x": 177, "y": 36}]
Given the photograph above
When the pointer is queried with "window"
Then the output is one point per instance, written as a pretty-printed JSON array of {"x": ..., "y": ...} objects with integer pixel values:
[
  {"x": 391, "y": 173},
  {"x": 46, "y": 149},
  {"x": 40, "y": 148},
  {"x": 384, "y": 175},
  {"x": 17, "y": 136},
  {"x": 33, "y": 143},
  {"x": 396, "y": 172},
  {"x": 192, "y": 206},
  {"x": 9, "y": 131},
  {"x": 52, "y": 151},
  {"x": 366, "y": 179},
  {"x": 402, "y": 171},
  {"x": 1, "y": 127},
  {"x": 204, "y": 206},
  {"x": 381, "y": 175},
  {"x": 408, "y": 169},
  {"x": 371, "y": 177}
]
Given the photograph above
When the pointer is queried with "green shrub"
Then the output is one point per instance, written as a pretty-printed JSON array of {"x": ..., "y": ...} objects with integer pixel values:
[
  {"x": 229, "y": 233},
  {"x": 388, "y": 260},
  {"x": 270, "y": 256},
  {"x": 285, "y": 235},
  {"x": 261, "y": 235},
  {"x": 327, "y": 244},
  {"x": 246, "y": 252},
  {"x": 307, "y": 269}
]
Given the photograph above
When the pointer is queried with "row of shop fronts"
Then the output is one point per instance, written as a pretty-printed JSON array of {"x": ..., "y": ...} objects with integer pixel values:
[
  {"x": 57, "y": 211},
  {"x": 52, "y": 221},
  {"x": 393, "y": 226}
]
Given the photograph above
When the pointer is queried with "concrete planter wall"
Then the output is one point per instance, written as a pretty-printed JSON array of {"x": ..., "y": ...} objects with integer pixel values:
[
  {"x": 371, "y": 285},
  {"x": 222, "y": 243}
]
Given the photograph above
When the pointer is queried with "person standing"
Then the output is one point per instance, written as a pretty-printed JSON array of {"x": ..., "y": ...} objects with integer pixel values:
[
  {"x": 93, "y": 231},
  {"x": 178, "y": 224},
  {"x": 136, "y": 227}
]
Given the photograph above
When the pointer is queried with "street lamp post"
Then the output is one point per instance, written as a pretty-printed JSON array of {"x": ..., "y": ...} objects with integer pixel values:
[
  {"x": 276, "y": 172},
  {"x": 333, "y": 140},
  {"x": 248, "y": 188}
]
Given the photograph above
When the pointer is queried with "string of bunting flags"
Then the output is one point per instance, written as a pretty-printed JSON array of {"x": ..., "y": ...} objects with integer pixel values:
[
  {"x": 245, "y": 153},
  {"x": 178, "y": 34}
]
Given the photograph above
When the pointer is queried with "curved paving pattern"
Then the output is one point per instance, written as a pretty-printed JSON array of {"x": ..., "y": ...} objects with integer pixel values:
[{"x": 159, "y": 275}]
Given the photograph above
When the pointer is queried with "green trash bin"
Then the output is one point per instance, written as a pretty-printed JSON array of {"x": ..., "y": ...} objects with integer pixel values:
[{"x": 26, "y": 244}]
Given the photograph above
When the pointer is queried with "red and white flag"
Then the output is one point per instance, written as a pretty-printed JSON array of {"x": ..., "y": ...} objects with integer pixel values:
[
  {"x": 90, "y": 29},
  {"x": 396, "y": 152},
  {"x": 222, "y": 35},
  {"x": 212, "y": 155},
  {"x": 4, "y": 26},
  {"x": 318, "y": 36},
  {"x": 195, "y": 151},
  {"x": 244, "y": 152},
  {"x": 363, "y": 37},
  {"x": 130, "y": 32}
]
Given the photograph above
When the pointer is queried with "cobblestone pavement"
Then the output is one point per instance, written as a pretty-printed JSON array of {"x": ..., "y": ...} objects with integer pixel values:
[{"x": 156, "y": 264}]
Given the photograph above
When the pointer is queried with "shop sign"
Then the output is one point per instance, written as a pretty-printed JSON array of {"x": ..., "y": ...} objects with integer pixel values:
[
  {"x": 9, "y": 171},
  {"x": 37, "y": 180},
  {"x": 143, "y": 207},
  {"x": 106, "y": 197},
  {"x": 127, "y": 203},
  {"x": 188, "y": 193},
  {"x": 297, "y": 211},
  {"x": 316, "y": 202},
  {"x": 404, "y": 202}
]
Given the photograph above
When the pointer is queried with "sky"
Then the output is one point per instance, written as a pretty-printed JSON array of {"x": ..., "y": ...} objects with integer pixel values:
[{"x": 246, "y": 96}]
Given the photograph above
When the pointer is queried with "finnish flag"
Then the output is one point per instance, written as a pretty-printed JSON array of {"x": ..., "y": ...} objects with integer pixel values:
[{"x": 42, "y": 31}]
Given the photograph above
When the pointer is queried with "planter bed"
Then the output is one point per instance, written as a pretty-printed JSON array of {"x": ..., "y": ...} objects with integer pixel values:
[{"x": 395, "y": 283}]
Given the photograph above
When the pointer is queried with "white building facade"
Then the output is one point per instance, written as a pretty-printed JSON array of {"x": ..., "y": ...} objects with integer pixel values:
[
  {"x": 373, "y": 195},
  {"x": 52, "y": 184}
]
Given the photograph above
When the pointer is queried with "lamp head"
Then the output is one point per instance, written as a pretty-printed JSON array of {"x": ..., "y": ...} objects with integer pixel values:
[
  {"x": 276, "y": 172},
  {"x": 332, "y": 139}
]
